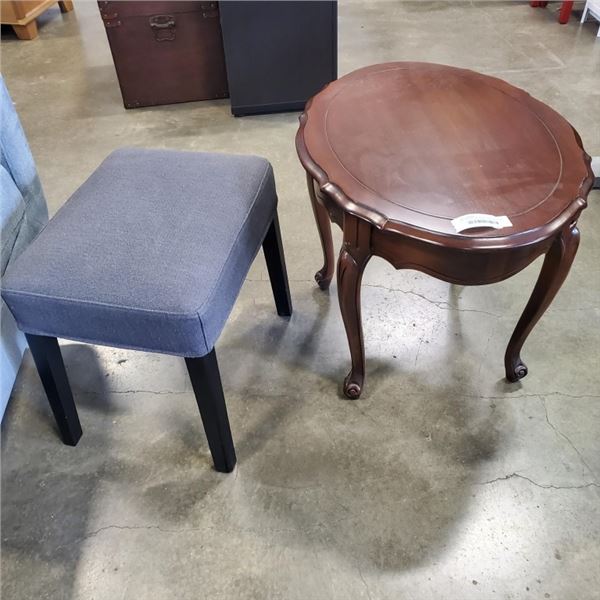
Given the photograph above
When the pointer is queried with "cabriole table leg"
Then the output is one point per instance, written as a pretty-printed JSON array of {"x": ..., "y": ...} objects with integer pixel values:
[
  {"x": 324, "y": 275},
  {"x": 352, "y": 261},
  {"x": 554, "y": 271}
]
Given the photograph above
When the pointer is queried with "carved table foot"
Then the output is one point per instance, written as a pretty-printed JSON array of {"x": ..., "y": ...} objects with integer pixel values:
[
  {"x": 353, "y": 384},
  {"x": 323, "y": 277},
  {"x": 554, "y": 271},
  {"x": 516, "y": 371}
]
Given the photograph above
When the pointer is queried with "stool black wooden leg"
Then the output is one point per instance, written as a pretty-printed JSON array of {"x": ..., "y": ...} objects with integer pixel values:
[
  {"x": 48, "y": 360},
  {"x": 206, "y": 381},
  {"x": 273, "y": 249}
]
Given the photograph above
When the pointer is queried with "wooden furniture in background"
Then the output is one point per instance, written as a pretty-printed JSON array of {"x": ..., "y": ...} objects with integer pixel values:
[
  {"x": 22, "y": 14},
  {"x": 395, "y": 152},
  {"x": 165, "y": 51}
]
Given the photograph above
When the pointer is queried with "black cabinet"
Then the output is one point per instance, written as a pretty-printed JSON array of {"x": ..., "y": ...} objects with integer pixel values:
[{"x": 278, "y": 54}]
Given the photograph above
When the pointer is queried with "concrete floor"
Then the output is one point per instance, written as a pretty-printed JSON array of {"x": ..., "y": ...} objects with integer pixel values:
[{"x": 441, "y": 482}]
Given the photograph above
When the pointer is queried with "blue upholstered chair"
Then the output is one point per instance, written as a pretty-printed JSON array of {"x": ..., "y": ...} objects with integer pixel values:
[
  {"x": 23, "y": 213},
  {"x": 150, "y": 253}
]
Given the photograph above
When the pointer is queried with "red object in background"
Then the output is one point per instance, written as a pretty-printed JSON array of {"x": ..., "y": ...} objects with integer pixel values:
[
  {"x": 565, "y": 12},
  {"x": 565, "y": 9}
]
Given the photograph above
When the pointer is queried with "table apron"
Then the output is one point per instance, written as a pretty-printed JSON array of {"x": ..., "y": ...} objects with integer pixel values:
[{"x": 463, "y": 267}]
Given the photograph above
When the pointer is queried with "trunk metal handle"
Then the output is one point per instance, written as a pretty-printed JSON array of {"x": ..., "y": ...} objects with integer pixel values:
[{"x": 163, "y": 27}]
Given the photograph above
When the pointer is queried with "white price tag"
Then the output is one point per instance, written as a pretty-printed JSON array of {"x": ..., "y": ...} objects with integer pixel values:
[{"x": 478, "y": 220}]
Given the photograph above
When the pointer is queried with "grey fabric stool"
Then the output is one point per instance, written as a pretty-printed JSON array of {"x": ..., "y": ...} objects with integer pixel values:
[{"x": 150, "y": 253}]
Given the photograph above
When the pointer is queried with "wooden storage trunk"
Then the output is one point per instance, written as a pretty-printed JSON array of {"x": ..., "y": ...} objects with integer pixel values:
[{"x": 166, "y": 52}]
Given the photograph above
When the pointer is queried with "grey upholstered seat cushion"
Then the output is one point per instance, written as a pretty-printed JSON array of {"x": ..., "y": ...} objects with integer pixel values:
[{"x": 149, "y": 253}]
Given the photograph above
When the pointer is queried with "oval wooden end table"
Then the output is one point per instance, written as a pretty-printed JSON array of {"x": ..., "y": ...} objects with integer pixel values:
[{"x": 395, "y": 153}]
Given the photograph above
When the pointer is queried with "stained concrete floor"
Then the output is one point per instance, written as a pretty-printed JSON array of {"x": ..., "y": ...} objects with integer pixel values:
[{"x": 441, "y": 482}]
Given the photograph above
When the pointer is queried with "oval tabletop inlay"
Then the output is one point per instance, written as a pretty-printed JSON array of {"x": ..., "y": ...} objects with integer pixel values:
[{"x": 419, "y": 144}]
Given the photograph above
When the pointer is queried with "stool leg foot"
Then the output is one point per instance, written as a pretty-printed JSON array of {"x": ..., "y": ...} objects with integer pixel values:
[
  {"x": 48, "y": 360},
  {"x": 554, "y": 271},
  {"x": 273, "y": 249},
  {"x": 206, "y": 381}
]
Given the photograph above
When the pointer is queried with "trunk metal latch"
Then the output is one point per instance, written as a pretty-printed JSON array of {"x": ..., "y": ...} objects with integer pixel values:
[{"x": 163, "y": 27}]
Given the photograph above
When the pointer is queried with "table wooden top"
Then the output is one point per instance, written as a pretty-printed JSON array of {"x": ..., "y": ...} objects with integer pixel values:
[{"x": 411, "y": 146}]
